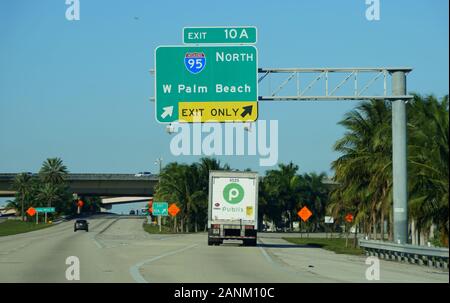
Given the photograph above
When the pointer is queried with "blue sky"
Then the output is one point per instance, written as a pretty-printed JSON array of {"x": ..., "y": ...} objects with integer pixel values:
[{"x": 80, "y": 90}]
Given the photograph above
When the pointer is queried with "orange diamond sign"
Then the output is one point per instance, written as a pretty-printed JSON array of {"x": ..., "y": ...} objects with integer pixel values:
[
  {"x": 304, "y": 213},
  {"x": 31, "y": 211},
  {"x": 173, "y": 209}
]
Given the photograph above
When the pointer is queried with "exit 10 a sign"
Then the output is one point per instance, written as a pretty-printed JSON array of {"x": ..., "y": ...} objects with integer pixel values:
[
  {"x": 219, "y": 35},
  {"x": 206, "y": 83}
]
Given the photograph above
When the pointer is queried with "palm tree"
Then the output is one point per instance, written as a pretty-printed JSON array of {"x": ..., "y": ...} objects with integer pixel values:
[
  {"x": 187, "y": 185},
  {"x": 365, "y": 165},
  {"x": 314, "y": 194},
  {"x": 284, "y": 184},
  {"x": 428, "y": 149},
  {"x": 206, "y": 165},
  {"x": 53, "y": 171},
  {"x": 49, "y": 194},
  {"x": 174, "y": 186},
  {"x": 23, "y": 186},
  {"x": 364, "y": 169},
  {"x": 269, "y": 206}
]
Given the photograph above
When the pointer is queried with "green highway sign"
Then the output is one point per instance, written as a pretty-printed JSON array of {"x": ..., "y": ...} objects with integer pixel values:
[
  {"x": 220, "y": 35},
  {"x": 45, "y": 209},
  {"x": 160, "y": 209},
  {"x": 206, "y": 83}
]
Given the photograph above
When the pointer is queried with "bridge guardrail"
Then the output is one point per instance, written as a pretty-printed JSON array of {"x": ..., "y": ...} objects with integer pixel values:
[{"x": 415, "y": 254}]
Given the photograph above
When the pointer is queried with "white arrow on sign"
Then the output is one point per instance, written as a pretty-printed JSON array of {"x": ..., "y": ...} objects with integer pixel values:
[{"x": 168, "y": 111}]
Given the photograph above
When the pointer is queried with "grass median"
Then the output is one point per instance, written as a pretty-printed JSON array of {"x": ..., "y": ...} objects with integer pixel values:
[
  {"x": 13, "y": 227},
  {"x": 154, "y": 229},
  {"x": 335, "y": 245}
]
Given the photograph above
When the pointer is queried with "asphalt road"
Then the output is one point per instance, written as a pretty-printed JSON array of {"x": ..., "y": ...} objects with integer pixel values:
[{"x": 118, "y": 250}]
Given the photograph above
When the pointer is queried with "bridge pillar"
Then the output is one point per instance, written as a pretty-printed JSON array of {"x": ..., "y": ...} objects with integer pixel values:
[{"x": 105, "y": 208}]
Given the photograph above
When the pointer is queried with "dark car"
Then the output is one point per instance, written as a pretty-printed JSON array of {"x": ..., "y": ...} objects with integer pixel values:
[
  {"x": 132, "y": 212},
  {"x": 81, "y": 224}
]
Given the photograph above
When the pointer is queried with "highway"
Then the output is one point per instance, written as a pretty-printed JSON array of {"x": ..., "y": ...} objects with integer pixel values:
[{"x": 116, "y": 249}]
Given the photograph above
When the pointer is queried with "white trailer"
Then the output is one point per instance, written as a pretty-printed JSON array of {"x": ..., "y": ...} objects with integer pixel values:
[{"x": 232, "y": 207}]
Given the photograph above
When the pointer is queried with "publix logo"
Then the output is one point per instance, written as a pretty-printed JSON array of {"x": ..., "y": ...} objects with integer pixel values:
[{"x": 233, "y": 193}]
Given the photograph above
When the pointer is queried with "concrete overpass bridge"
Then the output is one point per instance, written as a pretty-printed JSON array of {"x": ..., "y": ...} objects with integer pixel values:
[
  {"x": 113, "y": 188},
  {"x": 105, "y": 185}
]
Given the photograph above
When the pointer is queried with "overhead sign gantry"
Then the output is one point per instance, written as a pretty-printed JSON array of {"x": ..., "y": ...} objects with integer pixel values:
[{"x": 169, "y": 110}]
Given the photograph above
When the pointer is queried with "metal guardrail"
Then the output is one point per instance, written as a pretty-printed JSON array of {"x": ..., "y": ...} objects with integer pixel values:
[{"x": 422, "y": 255}]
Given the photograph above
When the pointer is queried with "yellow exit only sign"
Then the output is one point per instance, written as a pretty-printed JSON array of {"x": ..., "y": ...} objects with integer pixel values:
[{"x": 217, "y": 111}]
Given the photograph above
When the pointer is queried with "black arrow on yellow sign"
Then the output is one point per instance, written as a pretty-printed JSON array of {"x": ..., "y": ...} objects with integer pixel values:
[{"x": 247, "y": 110}]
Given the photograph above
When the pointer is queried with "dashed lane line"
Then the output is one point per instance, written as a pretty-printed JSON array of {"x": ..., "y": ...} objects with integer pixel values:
[{"x": 134, "y": 270}]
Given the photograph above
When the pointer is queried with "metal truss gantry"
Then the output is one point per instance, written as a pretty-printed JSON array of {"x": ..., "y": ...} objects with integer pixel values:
[{"x": 330, "y": 83}]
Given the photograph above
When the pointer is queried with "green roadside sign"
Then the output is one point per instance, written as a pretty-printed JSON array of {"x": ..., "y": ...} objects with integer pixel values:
[
  {"x": 45, "y": 209},
  {"x": 160, "y": 209},
  {"x": 220, "y": 35},
  {"x": 206, "y": 83}
]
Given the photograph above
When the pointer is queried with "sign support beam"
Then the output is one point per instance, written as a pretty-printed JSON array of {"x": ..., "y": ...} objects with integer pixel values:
[{"x": 399, "y": 159}]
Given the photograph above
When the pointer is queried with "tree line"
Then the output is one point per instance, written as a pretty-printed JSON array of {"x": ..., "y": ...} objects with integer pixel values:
[
  {"x": 48, "y": 188},
  {"x": 282, "y": 192},
  {"x": 364, "y": 169}
]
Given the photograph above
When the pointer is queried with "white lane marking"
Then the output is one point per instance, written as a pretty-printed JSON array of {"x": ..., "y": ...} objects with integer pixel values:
[
  {"x": 94, "y": 237},
  {"x": 265, "y": 254},
  {"x": 99, "y": 245},
  {"x": 169, "y": 237},
  {"x": 288, "y": 270},
  {"x": 134, "y": 270}
]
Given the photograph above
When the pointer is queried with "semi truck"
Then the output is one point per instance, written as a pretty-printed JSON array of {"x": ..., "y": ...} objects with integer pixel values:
[{"x": 232, "y": 207}]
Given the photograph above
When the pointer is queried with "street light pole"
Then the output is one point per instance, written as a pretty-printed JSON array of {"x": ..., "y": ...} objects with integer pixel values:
[
  {"x": 159, "y": 162},
  {"x": 22, "y": 213}
]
